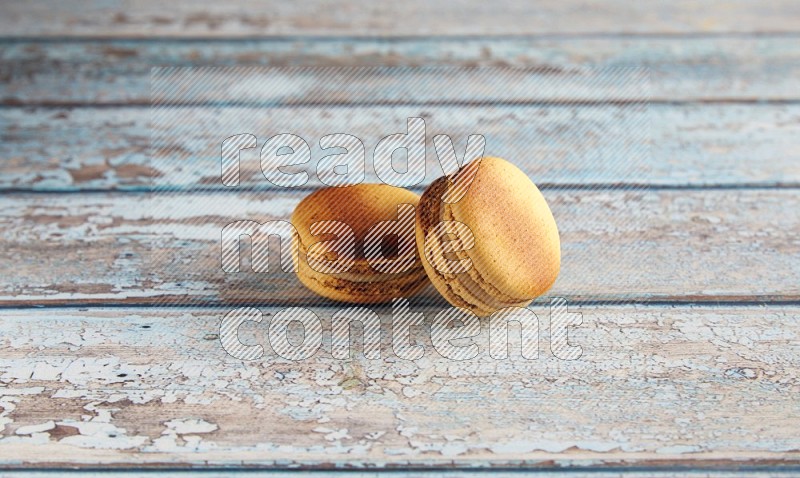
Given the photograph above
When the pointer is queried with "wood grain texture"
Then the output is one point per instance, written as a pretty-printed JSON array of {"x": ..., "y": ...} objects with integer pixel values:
[
  {"x": 648, "y": 472},
  {"x": 248, "y": 18},
  {"x": 665, "y": 145},
  {"x": 695, "y": 387},
  {"x": 662, "y": 245},
  {"x": 668, "y": 377},
  {"x": 682, "y": 69}
]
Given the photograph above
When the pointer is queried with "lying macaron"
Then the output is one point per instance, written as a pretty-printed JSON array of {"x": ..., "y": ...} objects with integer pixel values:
[
  {"x": 495, "y": 247},
  {"x": 357, "y": 243}
]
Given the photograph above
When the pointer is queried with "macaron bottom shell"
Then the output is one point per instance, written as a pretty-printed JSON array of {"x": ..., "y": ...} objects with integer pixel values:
[{"x": 373, "y": 288}]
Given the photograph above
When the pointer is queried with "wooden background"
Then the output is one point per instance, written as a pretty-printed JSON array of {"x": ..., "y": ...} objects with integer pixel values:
[{"x": 691, "y": 335}]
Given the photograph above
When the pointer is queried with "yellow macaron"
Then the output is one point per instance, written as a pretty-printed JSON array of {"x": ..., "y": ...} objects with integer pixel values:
[
  {"x": 516, "y": 253},
  {"x": 382, "y": 263}
]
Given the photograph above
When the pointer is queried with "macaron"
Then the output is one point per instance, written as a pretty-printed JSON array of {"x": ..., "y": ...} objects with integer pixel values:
[
  {"x": 495, "y": 247},
  {"x": 357, "y": 243}
]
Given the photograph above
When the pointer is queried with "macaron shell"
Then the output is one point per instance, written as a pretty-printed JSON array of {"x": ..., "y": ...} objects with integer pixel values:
[
  {"x": 465, "y": 289},
  {"x": 517, "y": 248},
  {"x": 359, "y": 206}
]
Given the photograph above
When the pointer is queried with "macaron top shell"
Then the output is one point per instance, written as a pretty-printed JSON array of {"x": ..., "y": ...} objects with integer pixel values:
[
  {"x": 517, "y": 247},
  {"x": 360, "y": 206}
]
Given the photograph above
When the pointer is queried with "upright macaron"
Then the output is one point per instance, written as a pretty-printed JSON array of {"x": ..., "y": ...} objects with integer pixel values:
[
  {"x": 516, "y": 254},
  {"x": 382, "y": 262}
]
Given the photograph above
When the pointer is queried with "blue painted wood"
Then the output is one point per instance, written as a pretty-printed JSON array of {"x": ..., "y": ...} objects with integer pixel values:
[
  {"x": 725, "y": 121},
  {"x": 624, "y": 245},
  {"x": 683, "y": 68},
  {"x": 248, "y": 18},
  {"x": 691, "y": 145}
]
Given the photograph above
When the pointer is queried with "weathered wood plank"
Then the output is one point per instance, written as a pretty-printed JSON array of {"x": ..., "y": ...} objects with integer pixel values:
[
  {"x": 735, "y": 472},
  {"x": 682, "y": 69},
  {"x": 663, "y": 472},
  {"x": 695, "y": 245},
  {"x": 654, "y": 386},
  {"x": 684, "y": 145},
  {"x": 247, "y": 18}
]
